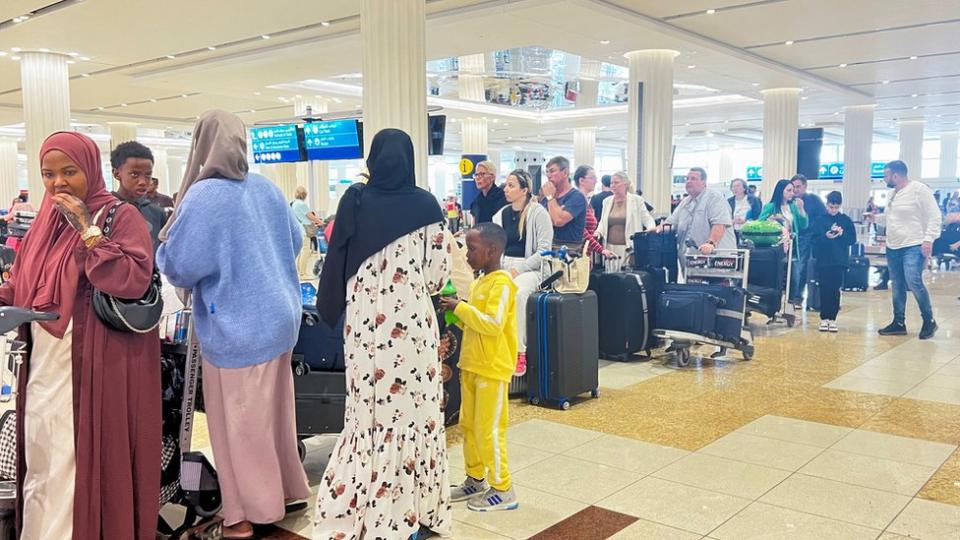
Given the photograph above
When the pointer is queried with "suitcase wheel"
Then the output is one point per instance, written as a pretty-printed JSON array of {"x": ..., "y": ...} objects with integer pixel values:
[
  {"x": 534, "y": 401},
  {"x": 565, "y": 405},
  {"x": 302, "y": 450},
  {"x": 683, "y": 357},
  {"x": 595, "y": 393},
  {"x": 748, "y": 352},
  {"x": 300, "y": 369}
]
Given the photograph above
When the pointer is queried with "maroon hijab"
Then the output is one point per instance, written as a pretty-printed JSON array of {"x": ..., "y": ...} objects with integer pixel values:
[{"x": 46, "y": 270}]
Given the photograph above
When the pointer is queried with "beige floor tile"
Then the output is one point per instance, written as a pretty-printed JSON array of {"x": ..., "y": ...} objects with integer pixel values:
[
  {"x": 575, "y": 479},
  {"x": 892, "y": 536},
  {"x": 519, "y": 456},
  {"x": 904, "y": 449},
  {"x": 723, "y": 475},
  {"x": 868, "y": 471},
  {"x": 762, "y": 521},
  {"x": 887, "y": 372},
  {"x": 928, "y": 520},
  {"x": 927, "y": 392},
  {"x": 550, "y": 436},
  {"x": 943, "y": 380},
  {"x": 679, "y": 506},
  {"x": 462, "y": 531},
  {"x": 538, "y": 510},
  {"x": 953, "y": 368},
  {"x": 836, "y": 500},
  {"x": 648, "y": 530},
  {"x": 854, "y": 383},
  {"x": 797, "y": 431},
  {"x": 627, "y": 454},
  {"x": 774, "y": 453},
  {"x": 620, "y": 379}
]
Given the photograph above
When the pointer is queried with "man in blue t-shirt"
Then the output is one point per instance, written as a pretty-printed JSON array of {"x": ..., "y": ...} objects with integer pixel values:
[{"x": 567, "y": 206}]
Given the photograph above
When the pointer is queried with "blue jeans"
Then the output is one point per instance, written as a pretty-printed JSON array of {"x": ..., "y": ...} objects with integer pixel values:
[{"x": 906, "y": 272}]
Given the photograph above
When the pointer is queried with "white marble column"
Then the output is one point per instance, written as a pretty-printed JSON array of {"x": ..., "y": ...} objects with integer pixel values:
[
  {"x": 160, "y": 170},
  {"x": 171, "y": 184},
  {"x": 393, "y": 50},
  {"x": 318, "y": 191},
  {"x": 948, "y": 155},
  {"x": 650, "y": 125},
  {"x": 284, "y": 175},
  {"x": 857, "y": 144},
  {"x": 585, "y": 146},
  {"x": 781, "y": 119},
  {"x": 474, "y": 134},
  {"x": 121, "y": 132},
  {"x": 911, "y": 147},
  {"x": 725, "y": 174},
  {"x": 589, "y": 80},
  {"x": 9, "y": 187},
  {"x": 46, "y": 106}
]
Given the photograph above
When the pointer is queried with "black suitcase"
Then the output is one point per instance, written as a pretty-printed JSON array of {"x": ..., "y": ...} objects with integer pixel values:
[
  {"x": 321, "y": 398},
  {"x": 768, "y": 268},
  {"x": 764, "y": 300},
  {"x": 689, "y": 310},
  {"x": 729, "y": 316},
  {"x": 562, "y": 347},
  {"x": 653, "y": 250},
  {"x": 626, "y": 314},
  {"x": 319, "y": 347},
  {"x": 857, "y": 276}
]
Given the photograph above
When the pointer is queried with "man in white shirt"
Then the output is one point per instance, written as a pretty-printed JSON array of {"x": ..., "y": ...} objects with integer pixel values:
[{"x": 913, "y": 223}]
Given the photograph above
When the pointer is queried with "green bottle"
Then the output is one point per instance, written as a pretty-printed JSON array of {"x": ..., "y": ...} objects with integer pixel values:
[{"x": 449, "y": 290}]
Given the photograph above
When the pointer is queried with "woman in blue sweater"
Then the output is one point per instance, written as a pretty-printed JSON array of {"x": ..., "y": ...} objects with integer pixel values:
[{"x": 233, "y": 241}]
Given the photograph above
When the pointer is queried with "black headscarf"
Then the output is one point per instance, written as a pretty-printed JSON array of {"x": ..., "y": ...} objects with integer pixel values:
[{"x": 371, "y": 216}]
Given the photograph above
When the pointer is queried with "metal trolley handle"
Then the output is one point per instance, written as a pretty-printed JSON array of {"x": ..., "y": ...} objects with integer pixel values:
[{"x": 12, "y": 318}]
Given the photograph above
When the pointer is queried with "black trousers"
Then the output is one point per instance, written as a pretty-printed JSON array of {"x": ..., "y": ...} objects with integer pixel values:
[{"x": 831, "y": 280}]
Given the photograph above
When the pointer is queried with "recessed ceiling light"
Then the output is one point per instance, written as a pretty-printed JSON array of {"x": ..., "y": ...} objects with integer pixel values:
[
  {"x": 3, "y": 53},
  {"x": 211, "y": 48},
  {"x": 99, "y": 108},
  {"x": 265, "y": 36},
  {"x": 171, "y": 57},
  {"x": 788, "y": 42},
  {"x": 73, "y": 54},
  {"x": 691, "y": 66},
  {"x": 324, "y": 23},
  {"x": 71, "y": 62},
  {"x": 358, "y": 106},
  {"x": 496, "y": 120},
  {"x": 15, "y": 49},
  {"x": 507, "y": 125},
  {"x": 913, "y": 57},
  {"x": 123, "y": 104},
  {"x": 804, "y": 98},
  {"x": 85, "y": 58},
  {"x": 44, "y": 50},
  {"x": 337, "y": 100},
  {"x": 604, "y": 41},
  {"x": 711, "y": 11},
  {"x": 886, "y": 82},
  {"x": 914, "y": 95},
  {"x": 843, "y": 65},
  {"x": 153, "y": 100},
  {"x": 837, "y": 113},
  {"x": 256, "y": 93},
  {"x": 915, "y": 107},
  {"x": 84, "y": 75},
  {"x": 253, "y": 110},
  {"x": 755, "y": 84},
  {"x": 184, "y": 96},
  {"x": 15, "y": 58}
]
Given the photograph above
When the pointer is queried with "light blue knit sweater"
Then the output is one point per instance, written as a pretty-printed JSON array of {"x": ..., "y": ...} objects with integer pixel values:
[{"x": 235, "y": 245}]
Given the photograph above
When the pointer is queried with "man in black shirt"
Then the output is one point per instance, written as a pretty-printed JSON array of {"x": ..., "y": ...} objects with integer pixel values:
[
  {"x": 157, "y": 198},
  {"x": 132, "y": 165},
  {"x": 597, "y": 200},
  {"x": 815, "y": 209},
  {"x": 491, "y": 197}
]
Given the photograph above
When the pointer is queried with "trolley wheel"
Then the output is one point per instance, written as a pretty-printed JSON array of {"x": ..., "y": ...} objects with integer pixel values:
[
  {"x": 683, "y": 356},
  {"x": 534, "y": 401},
  {"x": 209, "y": 506},
  {"x": 565, "y": 405},
  {"x": 748, "y": 353},
  {"x": 302, "y": 450},
  {"x": 791, "y": 320},
  {"x": 595, "y": 393},
  {"x": 720, "y": 353},
  {"x": 300, "y": 369}
]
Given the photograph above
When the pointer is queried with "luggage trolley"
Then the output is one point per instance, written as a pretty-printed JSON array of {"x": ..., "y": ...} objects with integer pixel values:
[
  {"x": 726, "y": 268},
  {"x": 786, "y": 312}
]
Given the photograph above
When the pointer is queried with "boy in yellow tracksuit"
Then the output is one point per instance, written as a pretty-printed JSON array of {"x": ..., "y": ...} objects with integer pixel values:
[{"x": 488, "y": 357}]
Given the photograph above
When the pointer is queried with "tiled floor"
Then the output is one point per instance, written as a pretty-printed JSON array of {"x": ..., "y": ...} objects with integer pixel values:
[{"x": 821, "y": 436}]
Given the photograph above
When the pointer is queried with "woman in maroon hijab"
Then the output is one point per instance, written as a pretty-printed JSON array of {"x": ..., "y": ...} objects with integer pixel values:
[{"x": 88, "y": 445}]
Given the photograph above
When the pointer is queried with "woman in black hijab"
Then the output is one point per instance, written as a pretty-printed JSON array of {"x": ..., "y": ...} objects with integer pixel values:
[{"x": 388, "y": 255}]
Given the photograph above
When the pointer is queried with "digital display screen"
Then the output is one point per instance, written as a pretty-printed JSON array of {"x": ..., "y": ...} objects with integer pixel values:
[
  {"x": 276, "y": 144},
  {"x": 327, "y": 141}
]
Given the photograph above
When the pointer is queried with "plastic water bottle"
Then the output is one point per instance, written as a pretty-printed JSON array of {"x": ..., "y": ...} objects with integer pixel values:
[{"x": 447, "y": 291}]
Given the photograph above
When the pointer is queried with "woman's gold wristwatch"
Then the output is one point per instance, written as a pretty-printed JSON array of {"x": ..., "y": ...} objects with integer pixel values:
[{"x": 91, "y": 235}]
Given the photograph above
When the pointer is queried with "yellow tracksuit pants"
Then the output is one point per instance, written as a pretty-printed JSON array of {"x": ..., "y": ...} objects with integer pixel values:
[{"x": 483, "y": 418}]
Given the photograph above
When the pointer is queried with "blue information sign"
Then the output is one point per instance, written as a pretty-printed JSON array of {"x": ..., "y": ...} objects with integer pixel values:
[
  {"x": 275, "y": 144},
  {"x": 328, "y": 141},
  {"x": 828, "y": 171}
]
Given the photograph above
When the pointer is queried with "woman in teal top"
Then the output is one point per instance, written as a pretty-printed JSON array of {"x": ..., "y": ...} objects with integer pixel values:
[{"x": 786, "y": 210}]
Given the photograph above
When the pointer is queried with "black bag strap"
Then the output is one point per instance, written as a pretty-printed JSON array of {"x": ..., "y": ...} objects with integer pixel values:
[{"x": 111, "y": 215}]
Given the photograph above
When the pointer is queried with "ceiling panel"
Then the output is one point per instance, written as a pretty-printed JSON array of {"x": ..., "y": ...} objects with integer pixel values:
[
  {"x": 14, "y": 8},
  {"x": 661, "y": 8},
  {"x": 799, "y": 19},
  {"x": 889, "y": 71},
  {"x": 899, "y": 44}
]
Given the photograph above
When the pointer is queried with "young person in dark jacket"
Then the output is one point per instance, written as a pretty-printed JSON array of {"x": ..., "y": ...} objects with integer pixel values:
[{"x": 832, "y": 235}]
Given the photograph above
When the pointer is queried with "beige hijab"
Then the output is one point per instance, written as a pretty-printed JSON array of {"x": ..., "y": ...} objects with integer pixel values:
[{"x": 219, "y": 150}]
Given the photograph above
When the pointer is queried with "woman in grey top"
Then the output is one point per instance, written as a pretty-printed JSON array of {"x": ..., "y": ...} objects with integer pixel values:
[{"x": 529, "y": 231}]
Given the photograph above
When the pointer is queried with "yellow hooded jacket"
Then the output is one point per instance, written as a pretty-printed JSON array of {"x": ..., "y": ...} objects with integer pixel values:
[{"x": 489, "y": 323}]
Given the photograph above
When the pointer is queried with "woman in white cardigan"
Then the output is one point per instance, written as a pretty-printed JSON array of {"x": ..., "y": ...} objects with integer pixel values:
[
  {"x": 624, "y": 215},
  {"x": 529, "y": 232}
]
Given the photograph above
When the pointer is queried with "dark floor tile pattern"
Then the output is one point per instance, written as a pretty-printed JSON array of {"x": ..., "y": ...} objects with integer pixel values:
[{"x": 591, "y": 523}]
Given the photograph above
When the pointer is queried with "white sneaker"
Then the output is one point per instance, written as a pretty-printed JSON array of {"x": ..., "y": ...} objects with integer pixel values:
[
  {"x": 833, "y": 327},
  {"x": 824, "y": 326},
  {"x": 494, "y": 500}
]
